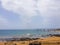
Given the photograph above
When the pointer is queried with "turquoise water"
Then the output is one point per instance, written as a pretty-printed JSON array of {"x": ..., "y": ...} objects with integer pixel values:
[{"x": 20, "y": 32}]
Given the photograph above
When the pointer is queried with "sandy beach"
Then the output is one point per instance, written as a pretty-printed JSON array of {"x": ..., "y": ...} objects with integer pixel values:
[{"x": 41, "y": 41}]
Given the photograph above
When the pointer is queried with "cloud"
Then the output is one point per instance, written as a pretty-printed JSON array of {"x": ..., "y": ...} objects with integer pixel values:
[
  {"x": 49, "y": 8},
  {"x": 27, "y": 9},
  {"x": 22, "y": 7}
]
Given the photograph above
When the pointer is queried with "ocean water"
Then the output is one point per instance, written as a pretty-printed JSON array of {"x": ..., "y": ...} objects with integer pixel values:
[{"x": 21, "y": 32}]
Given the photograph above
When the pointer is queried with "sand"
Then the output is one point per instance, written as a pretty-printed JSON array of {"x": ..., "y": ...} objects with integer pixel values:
[{"x": 44, "y": 41}]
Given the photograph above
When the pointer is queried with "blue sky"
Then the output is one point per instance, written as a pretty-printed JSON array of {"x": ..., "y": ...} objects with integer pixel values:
[{"x": 29, "y": 14}]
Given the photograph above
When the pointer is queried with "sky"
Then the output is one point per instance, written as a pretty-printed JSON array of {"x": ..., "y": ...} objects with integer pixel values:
[{"x": 29, "y": 14}]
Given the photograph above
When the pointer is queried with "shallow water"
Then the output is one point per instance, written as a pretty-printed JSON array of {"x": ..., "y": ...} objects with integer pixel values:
[{"x": 23, "y": 32}]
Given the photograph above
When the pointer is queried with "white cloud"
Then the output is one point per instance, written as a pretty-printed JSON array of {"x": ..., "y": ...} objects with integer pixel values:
[
  {"x": 49, "y": 8},
  {"x": 27, "y": 9},
  {"x": 23, "y": 7}
]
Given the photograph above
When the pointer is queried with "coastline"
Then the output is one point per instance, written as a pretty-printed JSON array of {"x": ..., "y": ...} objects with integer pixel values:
[
  {"x": 44, "y": 41},
  {"x": 27, "y": 39}
]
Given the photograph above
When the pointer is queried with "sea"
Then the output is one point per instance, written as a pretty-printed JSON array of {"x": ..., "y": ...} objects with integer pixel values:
[{"x": 24, "y": 32}]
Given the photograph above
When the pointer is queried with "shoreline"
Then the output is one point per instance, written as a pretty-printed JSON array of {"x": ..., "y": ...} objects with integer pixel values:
[
  {"x": 43, "y": 41},
  {"x": 7, "y": 38}
]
